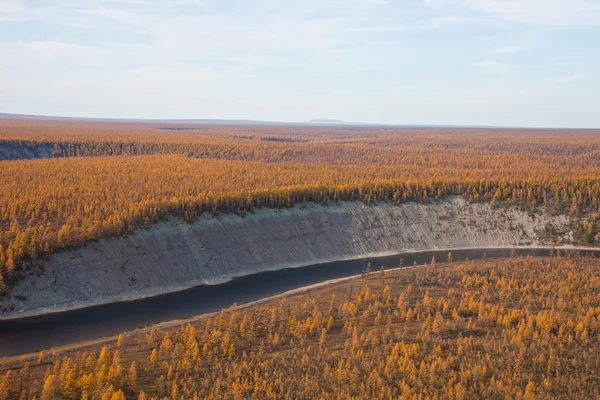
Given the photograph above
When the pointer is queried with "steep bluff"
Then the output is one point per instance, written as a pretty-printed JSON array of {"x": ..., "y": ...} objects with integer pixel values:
[{"x": 174, "y": 256}]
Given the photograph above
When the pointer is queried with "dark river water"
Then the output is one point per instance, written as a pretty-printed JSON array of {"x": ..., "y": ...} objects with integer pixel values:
[{"x": 32, "y": 334}]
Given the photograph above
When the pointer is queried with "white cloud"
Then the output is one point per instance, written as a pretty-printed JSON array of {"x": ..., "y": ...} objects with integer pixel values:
[
  {"x": 366, "y": 3},
  {"x": 566, "y": 78},
  {"x": 422, "y": 25},
  {"x": 11, "y": 6},
  {"x": 46, "y": 54},
  {"x": 288, "y": 60},
  {"x": 552, "y": 12},
  {"x": 490, "y": 66},
  {"x": 537, "y": 12},
  {"x": 509, "y": 49}
]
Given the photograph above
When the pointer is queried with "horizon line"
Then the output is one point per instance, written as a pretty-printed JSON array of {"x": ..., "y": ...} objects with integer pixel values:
[{"x": 313, "y": 122}]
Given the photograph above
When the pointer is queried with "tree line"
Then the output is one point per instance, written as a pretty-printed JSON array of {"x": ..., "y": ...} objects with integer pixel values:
[
  {"x": 49, "y": 205},
  {"x": 106, "y": 180}
]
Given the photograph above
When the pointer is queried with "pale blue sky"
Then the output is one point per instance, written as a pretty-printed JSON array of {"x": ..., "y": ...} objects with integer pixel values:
[{"x": 476, "y": 62}]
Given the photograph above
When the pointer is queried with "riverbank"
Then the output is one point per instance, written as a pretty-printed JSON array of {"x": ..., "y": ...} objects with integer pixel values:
[
  {"x": 301, "y": 292},
  {"x": 176, "y": 322},
  {"x": 95, "y": 325},
  {"x": 175, "y": 256}
]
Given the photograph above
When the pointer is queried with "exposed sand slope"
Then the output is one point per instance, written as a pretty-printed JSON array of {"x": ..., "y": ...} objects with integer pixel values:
[
  {"x": 25, "y": 151},
  {"x": 174, "y": 256}
]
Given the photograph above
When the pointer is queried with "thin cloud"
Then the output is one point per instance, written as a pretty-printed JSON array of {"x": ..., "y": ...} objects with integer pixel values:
[
  {"x": 370, "y": 3},
  {"x": 535, "y": 12},
  {"x": 511, "y": 49},
  {"x": 566, "y": 78},
  {"x": 490, "y": 66},
  {"x": 11, "y": 6},
  {"x": 291, "y": 60},
  {"x": 423, "y": 25},
  {"x": 49, "y": 53}
]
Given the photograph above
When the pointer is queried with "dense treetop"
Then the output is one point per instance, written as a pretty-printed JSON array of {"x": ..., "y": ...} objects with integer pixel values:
[
  {"x": 519, "y": 328},
  {"x": 107, "y": 178}
]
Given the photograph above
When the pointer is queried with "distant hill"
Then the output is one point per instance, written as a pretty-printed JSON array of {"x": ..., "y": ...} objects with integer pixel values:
[
  {"x": 143, "y": 120},
  {"x": 206, "y": 121},
  {"x": 328, "y": 121},
  {"x": 183, "y": 121}
]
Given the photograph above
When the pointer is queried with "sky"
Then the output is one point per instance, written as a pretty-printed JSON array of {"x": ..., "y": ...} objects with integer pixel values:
[{"x": 438, "y": 62}]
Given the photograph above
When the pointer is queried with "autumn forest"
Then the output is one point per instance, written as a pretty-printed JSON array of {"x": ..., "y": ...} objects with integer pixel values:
[
  {"x": 519, "y": 328},
  {"x": 63, "y": 184},
  {"x": 514, "y": 328}
]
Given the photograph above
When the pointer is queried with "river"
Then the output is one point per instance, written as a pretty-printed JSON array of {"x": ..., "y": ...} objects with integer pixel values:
[{"x": 31, "y": 334}]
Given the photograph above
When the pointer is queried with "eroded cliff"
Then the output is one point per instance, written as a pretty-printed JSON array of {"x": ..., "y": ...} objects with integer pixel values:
[{"x": 174, "y": 256}]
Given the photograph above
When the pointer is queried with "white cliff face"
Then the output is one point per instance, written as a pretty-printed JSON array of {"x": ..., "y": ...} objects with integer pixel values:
[{"x": 175, "y": 256}]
